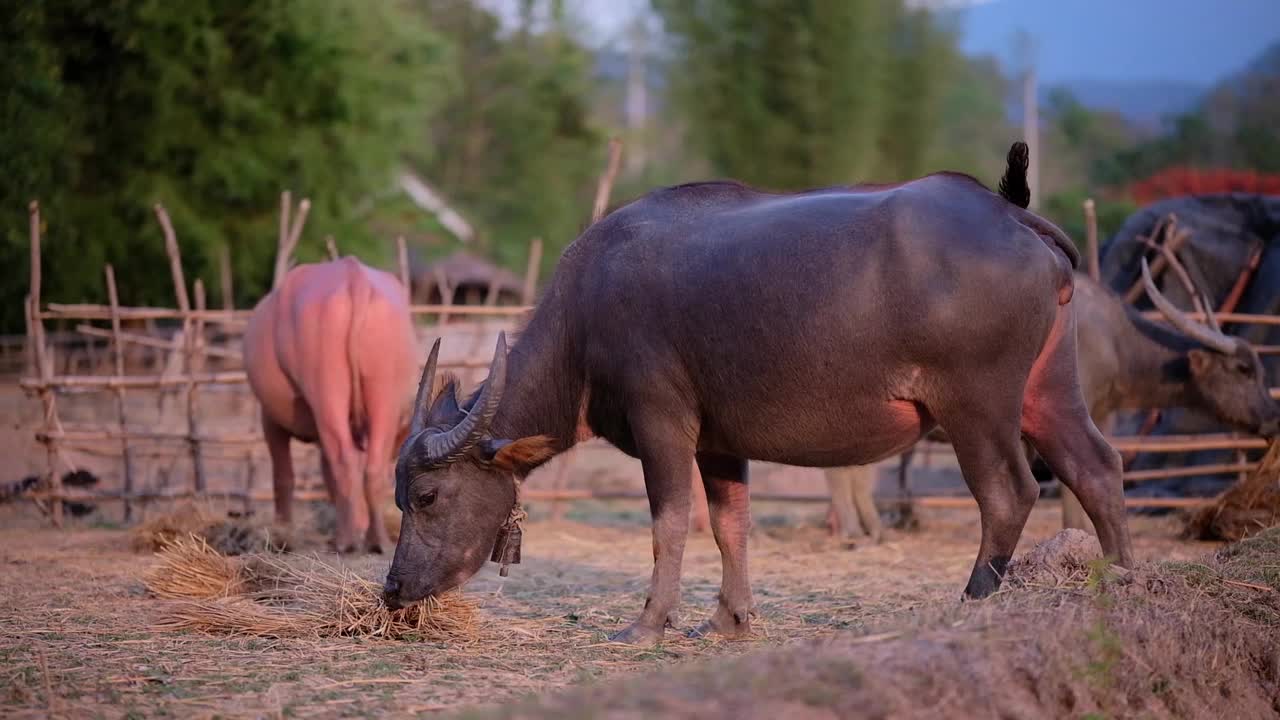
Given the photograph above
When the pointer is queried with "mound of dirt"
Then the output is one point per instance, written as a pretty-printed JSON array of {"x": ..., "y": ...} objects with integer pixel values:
[
  {"x": 1066, "y": 557},
  {"x": 1166, "y": 640}
]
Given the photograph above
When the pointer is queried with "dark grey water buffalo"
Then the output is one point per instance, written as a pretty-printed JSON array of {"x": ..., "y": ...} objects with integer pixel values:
[{"x": 715, "y": 322}]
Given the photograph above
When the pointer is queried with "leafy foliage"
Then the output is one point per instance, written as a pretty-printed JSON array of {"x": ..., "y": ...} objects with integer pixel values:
[
  {"x": 791, "y": 95},
  {"x": 209, "y": 108},
  {"x": 516, "y": 147}
]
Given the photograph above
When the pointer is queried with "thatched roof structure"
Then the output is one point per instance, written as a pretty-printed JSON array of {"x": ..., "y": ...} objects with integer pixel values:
[{"x": 468, "y": 277}]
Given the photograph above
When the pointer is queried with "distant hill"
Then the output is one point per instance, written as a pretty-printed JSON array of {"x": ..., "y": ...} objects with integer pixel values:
[{"x": 1144, "y": 103}]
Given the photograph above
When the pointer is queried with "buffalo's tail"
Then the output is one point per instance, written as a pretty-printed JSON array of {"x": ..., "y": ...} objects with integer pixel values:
[
  {"x": 361, "y": 291},
  {"x": 1013, "y": 185}
]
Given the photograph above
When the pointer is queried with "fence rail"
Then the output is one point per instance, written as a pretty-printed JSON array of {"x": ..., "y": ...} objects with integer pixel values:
[{"x": 189, "y": 345}]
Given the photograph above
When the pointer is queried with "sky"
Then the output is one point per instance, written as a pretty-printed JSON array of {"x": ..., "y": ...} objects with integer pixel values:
[
  {"x": 1191, "y": 41},
  {"x": 1188, "y": 41}
]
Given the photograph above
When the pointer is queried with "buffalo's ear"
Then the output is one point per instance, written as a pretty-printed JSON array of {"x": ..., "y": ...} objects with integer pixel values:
[
  {"x": 444, "y": 411},
  {"x": 520, "y": 456},
  {"x": 1201, "y": 361}
]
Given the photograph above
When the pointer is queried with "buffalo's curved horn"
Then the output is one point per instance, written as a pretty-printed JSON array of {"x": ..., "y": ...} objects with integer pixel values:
[
  {"x": 422, "y": 403},
  {"x": 445, "y": 447},
  {"x": 1199, "y": 332}
]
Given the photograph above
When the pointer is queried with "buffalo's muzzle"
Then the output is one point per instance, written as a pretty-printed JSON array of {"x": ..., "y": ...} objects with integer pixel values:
[
  {"x": 391, "y": 593},
  {"x": 1270, "y": 428}
]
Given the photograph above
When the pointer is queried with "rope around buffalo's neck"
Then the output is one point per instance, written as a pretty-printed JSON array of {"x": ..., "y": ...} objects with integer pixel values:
[{"x": 514, "y": 522}]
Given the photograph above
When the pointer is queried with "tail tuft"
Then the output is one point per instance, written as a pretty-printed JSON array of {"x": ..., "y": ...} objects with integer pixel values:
[{"x": 1013, "y": 186}]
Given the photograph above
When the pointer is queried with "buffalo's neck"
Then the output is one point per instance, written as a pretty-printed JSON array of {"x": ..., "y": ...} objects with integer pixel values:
[
  {"x": 544, "y": 387},
  {"x": 1157, "y": 368}
]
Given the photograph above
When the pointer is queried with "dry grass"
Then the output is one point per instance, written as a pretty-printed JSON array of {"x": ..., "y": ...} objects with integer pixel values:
[
  {"x": 1251, "y": 505},
  {"x": 1165, "y": 640},
  {"x": 229, "y": 535},
  {"x": 78, "y": 633},
  {"x": 189, "y": 568},
  {"x": 267, "y": 596},
  {"x": 158, "y": 532}
]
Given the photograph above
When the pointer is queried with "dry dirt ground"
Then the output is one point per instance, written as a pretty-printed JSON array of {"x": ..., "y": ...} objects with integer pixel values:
[{"x": 77, "y": 636}]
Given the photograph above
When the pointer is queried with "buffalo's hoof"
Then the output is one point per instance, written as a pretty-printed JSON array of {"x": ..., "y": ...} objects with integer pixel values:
[
  {"x": 637, "y": 634},
  {"x": 731, "y": 626}
]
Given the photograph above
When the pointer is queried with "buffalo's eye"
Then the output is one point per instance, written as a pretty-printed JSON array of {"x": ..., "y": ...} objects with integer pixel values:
[
  {"x": 424, "y": 499},
  {"x": 1247, "y": 369}
]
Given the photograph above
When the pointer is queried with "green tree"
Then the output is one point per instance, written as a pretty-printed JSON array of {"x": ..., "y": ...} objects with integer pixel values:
[
  {"x": 210, "y": 108},
  {"x": 973, "y": 134},
  {"x": 797, "y": 94},
  {"x": 515, "y": 147}
]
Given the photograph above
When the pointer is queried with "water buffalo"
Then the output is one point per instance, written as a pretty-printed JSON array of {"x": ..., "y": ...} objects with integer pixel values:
[
  {"x": 853, "y": 503},
  {"x": 330, "y": 354},
  {"x": 1127, "y": 362},
  {"x": 716, "y": 322}
]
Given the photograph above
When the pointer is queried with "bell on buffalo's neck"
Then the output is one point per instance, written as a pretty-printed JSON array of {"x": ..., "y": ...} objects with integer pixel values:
[{"x": 506, "y": 550}]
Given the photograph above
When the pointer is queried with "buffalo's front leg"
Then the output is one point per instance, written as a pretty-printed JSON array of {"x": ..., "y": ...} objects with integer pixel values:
[
  {"x": 665, "y": 447},
  {"x": 725, "y": 479}
]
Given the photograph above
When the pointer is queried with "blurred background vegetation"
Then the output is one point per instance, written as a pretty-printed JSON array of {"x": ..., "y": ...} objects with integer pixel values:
[{"x": 212, "y": 108}]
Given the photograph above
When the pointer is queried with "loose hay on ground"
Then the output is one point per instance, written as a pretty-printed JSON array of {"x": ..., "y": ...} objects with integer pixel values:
[
  {"x": 1164, "y": 640},
  {"x": 189, "y": 568},
  {"x": 228, "y": 535},
  {"x": 304, "y": 597},
  {"x": 1250, "y": 505}
]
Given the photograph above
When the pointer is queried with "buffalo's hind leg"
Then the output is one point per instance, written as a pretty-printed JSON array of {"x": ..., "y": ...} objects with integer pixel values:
[
  {"x": 1055, "y": 420},
  {"x": 665, "y": 445},
  {"x": 984, "y": 432},
  {"x": 725, "y": 479}
]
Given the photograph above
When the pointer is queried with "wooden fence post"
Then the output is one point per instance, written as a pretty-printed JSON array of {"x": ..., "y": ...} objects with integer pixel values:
[
  {"x": 402, "y": 263},
  {"x": 53, "y": 481},
  {"x": 117, "y": 349},
  {"x": 1091, "y": 235},
  {"x": 531, "y": 271},
  {"x": 190, "y": 326},
  {"x": 605, "y": 186}
]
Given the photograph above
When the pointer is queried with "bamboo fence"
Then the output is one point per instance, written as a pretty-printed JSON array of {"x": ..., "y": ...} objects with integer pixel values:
[{"x": 189, "y": 344}]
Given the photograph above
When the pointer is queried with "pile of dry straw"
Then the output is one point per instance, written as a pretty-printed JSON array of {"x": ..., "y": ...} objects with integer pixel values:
[
  {"x": 1247, "y": 507},
  {"x": 227, "y": 535},
  {"x": 265, "y": 595}
]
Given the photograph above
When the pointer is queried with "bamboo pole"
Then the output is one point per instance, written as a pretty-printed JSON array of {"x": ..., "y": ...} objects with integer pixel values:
[
  {"x": 175, "y": 259},
  {"x": 196, "y": 364},
  {"x": 1174, "y": 237},
  {"x": 147, "y": 341},
  {"x": 1223, "y": 317},
  {"x": 402, "y": 262},
  {"x": 52, "y": 480},
  {"x": 605, "y": 186},
  {"x": 1188, "y": 471},
  {"x": 1091, "y": 238},
  {"x": 929, "y": 501},
  {"x": 236, "y": 377},
  {"x": 73, "y": 435},
  {"x": 290, "y": 233},
  {"x": 446, "y": 298},
  {"x": 224, "y": 271},
  {"x": 190, "y": 327},
  {"x": 117, "y": 345},
  {"x": 250, "y": 474},
  {"x": 531, "y": 269},
  {"x": 1184, "y": 443},
  {"x": 282, "y": 239},
  {"x": 86, "y": 311},
  {"x": 225, "y": 377}
]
